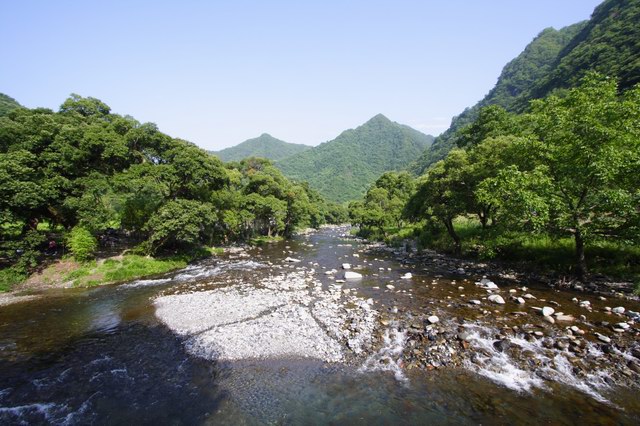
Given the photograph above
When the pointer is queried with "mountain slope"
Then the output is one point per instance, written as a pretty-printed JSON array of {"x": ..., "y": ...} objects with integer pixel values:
[
  {"x": 516, "y": 78},
  {"x": 342, "y": 169},
  {"x": 7, "y": 103},
  {"x": 264, "y": 146},
  {"x": 609, "y": 43}
]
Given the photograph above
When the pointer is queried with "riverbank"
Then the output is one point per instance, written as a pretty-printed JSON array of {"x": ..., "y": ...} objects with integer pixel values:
[{"x": 68, "y": 273}]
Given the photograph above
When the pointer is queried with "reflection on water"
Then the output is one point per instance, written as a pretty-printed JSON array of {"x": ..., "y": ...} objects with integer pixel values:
[{"x": 101, "y": 356}]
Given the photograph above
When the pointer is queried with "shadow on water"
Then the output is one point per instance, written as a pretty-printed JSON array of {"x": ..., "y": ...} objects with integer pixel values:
[{"x": 131, "y": 375}]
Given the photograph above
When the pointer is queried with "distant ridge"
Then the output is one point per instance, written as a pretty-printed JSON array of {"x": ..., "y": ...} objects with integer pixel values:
[
  {"x": 343, "y": 168},
  {"x": 7, "y": 104},
  {"x": 264, "y": 146}
]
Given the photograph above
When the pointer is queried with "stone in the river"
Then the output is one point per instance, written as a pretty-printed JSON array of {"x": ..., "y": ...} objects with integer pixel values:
[
  {"x": 548, "y": 319},
  {"x": 529, "y": 296},
  {"x": 520, "y": 300},
  {"x": 407, "y": 276},
  {"x": 603, "y": 338},
  {"x": 623, "y": 325},
  {"x": 433, "y": 319},
  {"x": 475, "y": 302},
  {"x": 567, "y": 318},
  {"x": 346, "y": 266},
  {"x": 292, "y": 260},
  {"x": 390, "y": 286},
  {"x": 547, "y": 311},
  {"x": 618, "y": 310},
  {"x": 496, "y": 298},
  {"x": 350, "y": 275},
  {"x": 502, "y": 345}
]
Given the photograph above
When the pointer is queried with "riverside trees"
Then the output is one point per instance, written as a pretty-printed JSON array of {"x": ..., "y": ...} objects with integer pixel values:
[
  {"x": 84, "y": 166},
  {"x": 570, "y": 166}
]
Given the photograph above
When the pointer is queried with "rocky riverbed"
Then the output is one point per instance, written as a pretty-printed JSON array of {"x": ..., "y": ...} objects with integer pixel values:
[{"x": 324, "y": 327}]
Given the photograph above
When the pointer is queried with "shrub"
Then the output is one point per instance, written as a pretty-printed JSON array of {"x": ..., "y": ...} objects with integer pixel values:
[{"x": 82, "y": 244}]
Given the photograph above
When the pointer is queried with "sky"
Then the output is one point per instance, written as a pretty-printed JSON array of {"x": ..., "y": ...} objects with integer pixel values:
[{"x": 219, "y": 72}]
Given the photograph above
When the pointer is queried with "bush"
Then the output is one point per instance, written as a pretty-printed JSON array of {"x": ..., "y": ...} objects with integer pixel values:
[
  {"x": 82, "y": 244},
  {"x": 9, "y": 277}
]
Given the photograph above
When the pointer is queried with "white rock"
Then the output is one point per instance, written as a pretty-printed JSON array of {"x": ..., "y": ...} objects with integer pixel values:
[
  {"x": 407, "y": 276},
  {"x": 346, "y": 266},
  {"x": 390, "y": 286},
  {"x": 350, "y": 275},
  {"x": 547, "y": 311},
  {"x": 623, "y": 325},
  {"x": 618, "y": 310},
  {"x": 433, "y": 319},
  {"x": 475, "y": 302},
  {"x": 529, "y": 296},
  {"x": 496, "y": 298},
  {"x": 292, "y": 260},
  {"x": 603, "y": 338},
  {"x": 520, "y": 300}
]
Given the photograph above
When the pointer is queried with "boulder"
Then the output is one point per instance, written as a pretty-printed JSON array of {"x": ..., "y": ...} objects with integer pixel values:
[
  {"x": 350, "y": 275},
  {"x": 496, "y": 298}
]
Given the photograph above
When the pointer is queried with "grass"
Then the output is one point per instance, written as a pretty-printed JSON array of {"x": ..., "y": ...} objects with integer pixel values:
[
  {"x": 10, "y": 277},
  {"x": 130, "y": 267}
]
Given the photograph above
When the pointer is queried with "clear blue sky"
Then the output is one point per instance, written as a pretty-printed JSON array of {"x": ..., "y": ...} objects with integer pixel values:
[{"x": 219, "y": 72}]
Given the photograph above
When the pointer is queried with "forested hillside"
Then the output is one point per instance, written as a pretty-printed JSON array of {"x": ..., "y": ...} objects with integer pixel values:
[
  {"x": 83, "y": 171},
  {"x": 342, "y": 169},
  {"x": 609, "y": 43},
  {"x": 264, "y": 146},
  {"x": 7, "y": 103}
]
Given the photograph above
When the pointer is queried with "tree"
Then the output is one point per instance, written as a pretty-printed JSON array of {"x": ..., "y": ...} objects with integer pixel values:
[
  {"x": 442, "y": 193},
  {"x": 586, "y": 163}
]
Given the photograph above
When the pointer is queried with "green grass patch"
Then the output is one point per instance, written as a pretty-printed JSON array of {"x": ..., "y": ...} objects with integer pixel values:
[
  {"x": 10, "y": 277},
  {"x": 130, "y": 267}
]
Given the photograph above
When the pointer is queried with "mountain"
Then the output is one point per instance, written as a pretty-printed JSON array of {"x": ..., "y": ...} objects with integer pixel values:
[
  {"x": 7, "y": 103},
  {"x": 264, "y": 146},
  {"x": 342, "y": 169},
  {"x": 609, "y": 42}
]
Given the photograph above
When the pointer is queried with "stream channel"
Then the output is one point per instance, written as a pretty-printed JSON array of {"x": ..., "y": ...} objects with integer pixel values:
[{"x": 275, "y": 335}]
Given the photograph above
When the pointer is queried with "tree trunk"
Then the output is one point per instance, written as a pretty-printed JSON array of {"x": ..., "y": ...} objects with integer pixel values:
[
  {"x": 581, "y": 262},
  {"x": 448, "y": 223}
]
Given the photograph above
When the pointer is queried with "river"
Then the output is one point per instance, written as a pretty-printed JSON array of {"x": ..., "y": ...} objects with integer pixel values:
[{"x": 276, "y": 335}]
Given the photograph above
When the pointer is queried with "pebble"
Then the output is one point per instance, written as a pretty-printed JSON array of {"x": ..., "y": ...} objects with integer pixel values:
[
  {"x": 549, "y": 319},
  {"x": 407, "y": 276},
  {"x": 350, "y": 275},
  {"x": 496, "y": 298},
  {"x": 433, "y": 319},
  {"x": 567, "y": 318},
  {"x": 547, "y": 311},
  {"x": 475, "y": 302},
  {"x": 529, "y": 296},
  {"x": 390, "y": 286},
  {"x": 291, "y": 260},
  {"x": 346, "y": 266},
  {"x": 603, "y": 338},
  {"x": 618, "y": 310},
  {"x": 520, "y": 300}
]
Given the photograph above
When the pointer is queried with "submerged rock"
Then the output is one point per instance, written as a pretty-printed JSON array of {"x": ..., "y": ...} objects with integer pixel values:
[
  {"x": 407, "y": 276},
  {"x": 350, "y": 275}
]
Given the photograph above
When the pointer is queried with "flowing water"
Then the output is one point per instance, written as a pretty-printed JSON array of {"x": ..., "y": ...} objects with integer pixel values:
[{"x": 271, "y": 335}]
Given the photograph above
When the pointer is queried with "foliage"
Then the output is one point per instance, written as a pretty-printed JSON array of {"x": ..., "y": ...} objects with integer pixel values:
[
  {"x": 570, "y": 167},
  {"x": 82, "y": 244},
  {"x": 90, "y": 171},
  {"x": 342, "y": 169},
  {"x": 264, "y": 146},
  {"x": 7, "y": 104}
]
